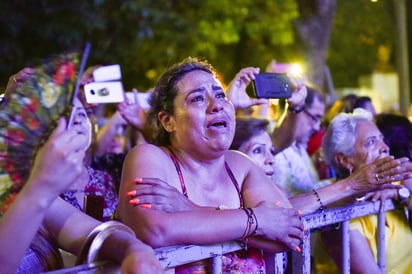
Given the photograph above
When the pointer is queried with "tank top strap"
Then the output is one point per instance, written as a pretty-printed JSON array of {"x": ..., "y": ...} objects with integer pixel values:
[
  {"x": 235, "y": 183},
  {"x": 182, "y": 181},
  {"x": 179, "y": 171}
]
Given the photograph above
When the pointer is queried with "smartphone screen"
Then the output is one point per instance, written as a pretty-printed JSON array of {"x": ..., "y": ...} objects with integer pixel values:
[{"x": 271, "y": 85}]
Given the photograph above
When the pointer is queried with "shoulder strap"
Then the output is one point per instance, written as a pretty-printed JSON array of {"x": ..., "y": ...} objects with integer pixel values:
[{"x": 179, "y": 171}]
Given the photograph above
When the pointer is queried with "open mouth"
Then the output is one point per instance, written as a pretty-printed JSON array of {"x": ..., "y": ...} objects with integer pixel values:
[
  {"x": 218, "y": 124},
  {"x": 269, "y": 173}
]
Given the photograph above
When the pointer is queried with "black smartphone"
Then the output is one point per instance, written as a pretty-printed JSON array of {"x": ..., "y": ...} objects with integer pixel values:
[
  {"x": 271, "y": 85},
  {"x": 93, "y": 206}
]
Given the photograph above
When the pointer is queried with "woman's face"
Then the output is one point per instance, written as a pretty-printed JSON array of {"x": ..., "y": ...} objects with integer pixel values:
[
  {"x": 369, "y": 145},
  {"x": 81, "y": 121},
  {"x": 260, "y": 149},
  {"x": 118, "y": 143},
  {"x": 204, "y": 117}
]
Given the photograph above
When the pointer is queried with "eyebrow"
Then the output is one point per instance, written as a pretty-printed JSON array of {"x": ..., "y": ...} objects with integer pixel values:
[{"x": 200, "y": 89}]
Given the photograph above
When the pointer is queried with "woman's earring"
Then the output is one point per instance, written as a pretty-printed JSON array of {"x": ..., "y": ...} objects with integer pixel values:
[{"x": 350, "y": 171}]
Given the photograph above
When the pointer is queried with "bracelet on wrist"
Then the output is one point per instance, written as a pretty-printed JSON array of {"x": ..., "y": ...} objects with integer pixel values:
[
  {"x": 251, "y": 219},
  {"x": 322, "y": 207}
]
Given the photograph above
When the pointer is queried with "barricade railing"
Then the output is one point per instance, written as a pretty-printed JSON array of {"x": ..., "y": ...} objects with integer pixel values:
[
  {"x": 301, "y": 262},
  {"x": 173, "y": 256}
]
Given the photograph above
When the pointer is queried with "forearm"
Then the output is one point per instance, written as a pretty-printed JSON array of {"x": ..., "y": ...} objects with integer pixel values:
[
  {"x": 60, "y": 220},
  {"x": 19, "y": 225},
  {"x": 121, "y": 244},
  {"x": 330, "y": 194},
  {"x": 284, "y": 133},
  {"x": 190, "y": 227}
]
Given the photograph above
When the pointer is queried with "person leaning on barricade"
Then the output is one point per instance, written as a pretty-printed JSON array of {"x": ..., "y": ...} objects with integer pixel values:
[
  {"x": 225, "y": 195},
  {"x": 38, "y": 223},
  {"x": 352, "y": 142}
]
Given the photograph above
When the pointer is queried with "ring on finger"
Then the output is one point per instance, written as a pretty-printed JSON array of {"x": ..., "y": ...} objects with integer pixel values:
[
  {"x": 14, "y": 80},
  {"x": 377, "y": 177}
]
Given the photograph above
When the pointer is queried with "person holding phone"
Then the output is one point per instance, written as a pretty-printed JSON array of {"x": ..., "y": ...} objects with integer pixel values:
[{"x": 38, "y": 222}]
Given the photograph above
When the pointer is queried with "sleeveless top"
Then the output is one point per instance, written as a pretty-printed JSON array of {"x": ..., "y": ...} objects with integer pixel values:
[
  {"x": 242, "y": 261},
  {"x": 101, "y": 183}
]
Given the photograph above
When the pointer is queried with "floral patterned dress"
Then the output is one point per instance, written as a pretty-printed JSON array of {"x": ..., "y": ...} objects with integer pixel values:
[{"x": 100, "y": 183}]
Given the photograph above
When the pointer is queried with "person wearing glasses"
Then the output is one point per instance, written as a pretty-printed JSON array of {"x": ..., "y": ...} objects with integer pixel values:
[{"x": 294, "y": 170}]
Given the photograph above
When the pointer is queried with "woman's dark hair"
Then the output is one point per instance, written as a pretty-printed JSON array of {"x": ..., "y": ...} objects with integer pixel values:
[
  {"x": 397, "y": 132},
  {"x": 165, "y": 92},
  {"x": 246, "y": 128}
]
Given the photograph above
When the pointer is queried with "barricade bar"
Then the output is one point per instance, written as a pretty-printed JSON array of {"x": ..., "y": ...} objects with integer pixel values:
[{"x": 172, "y": 256}]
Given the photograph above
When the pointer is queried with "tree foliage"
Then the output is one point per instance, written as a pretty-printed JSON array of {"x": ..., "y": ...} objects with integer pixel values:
[
  {"x": 147, "y": 36},
  {"x": 358, "y": 30}
]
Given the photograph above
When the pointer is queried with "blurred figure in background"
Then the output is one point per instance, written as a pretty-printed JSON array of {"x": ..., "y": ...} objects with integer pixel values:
[
  {"x": 365, "y": 102},
  {"x": 397, "y": 131}
]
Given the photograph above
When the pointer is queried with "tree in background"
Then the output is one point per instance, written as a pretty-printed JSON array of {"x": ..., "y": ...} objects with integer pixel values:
[{"x": 146, "y": 36}]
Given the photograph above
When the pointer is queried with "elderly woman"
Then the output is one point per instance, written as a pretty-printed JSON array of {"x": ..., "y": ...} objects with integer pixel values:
[
  {"x": 196, "y": 124},
  {"x": 351, "y": 143}
]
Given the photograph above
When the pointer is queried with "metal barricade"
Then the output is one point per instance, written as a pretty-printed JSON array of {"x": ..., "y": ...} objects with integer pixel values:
[{"x": 173, "y": 256}]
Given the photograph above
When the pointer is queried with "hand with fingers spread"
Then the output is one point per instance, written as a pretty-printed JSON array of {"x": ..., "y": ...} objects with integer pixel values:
[
  {"x": 157, "y": 194},
  {"x": 378, "y": 174}
]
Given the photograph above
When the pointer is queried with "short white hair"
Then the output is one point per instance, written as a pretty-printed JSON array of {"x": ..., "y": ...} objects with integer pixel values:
[{"x": 341, "y": 136}]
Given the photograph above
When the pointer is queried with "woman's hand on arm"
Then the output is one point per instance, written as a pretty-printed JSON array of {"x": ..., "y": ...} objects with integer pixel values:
[{"x": 157, "y": 194}]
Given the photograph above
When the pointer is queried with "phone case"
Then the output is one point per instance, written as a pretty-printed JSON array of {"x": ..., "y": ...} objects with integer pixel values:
[
  {"x": 104, "y": 92},
  {"x": 271, "y": 85},
  {"x": 107, "y": 73}
]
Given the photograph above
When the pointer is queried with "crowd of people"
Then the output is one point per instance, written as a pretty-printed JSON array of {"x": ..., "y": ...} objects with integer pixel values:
[{"x": 190, "y": 170}]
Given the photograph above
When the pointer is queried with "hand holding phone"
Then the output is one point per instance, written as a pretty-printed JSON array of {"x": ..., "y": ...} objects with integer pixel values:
[
  {"x": 104, "y": 92},
  {"x": 271, "y": 85}
]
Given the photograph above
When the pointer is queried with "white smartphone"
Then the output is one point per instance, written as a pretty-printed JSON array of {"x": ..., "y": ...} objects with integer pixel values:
[
  {"x": 104, "y": 92},
  {"x": 142, "y": 96},
  {"x": 107, "y": 73}
]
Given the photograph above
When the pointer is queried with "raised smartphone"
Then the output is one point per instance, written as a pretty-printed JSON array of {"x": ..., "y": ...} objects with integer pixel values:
[
  {"x": 271, "y": 85},
  {"x": 104, "y": 92},
  {"x": 107, "y": 73}
]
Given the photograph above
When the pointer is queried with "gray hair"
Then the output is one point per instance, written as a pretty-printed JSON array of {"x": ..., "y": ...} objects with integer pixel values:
[{"x": 341, "y": 136}]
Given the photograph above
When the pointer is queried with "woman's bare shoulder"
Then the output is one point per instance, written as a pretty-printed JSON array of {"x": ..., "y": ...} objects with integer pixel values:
[
  {"x": 148, "y": 150},
  {"x": 235, "y": 155},
  {"x": 238, "y": 161}
]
